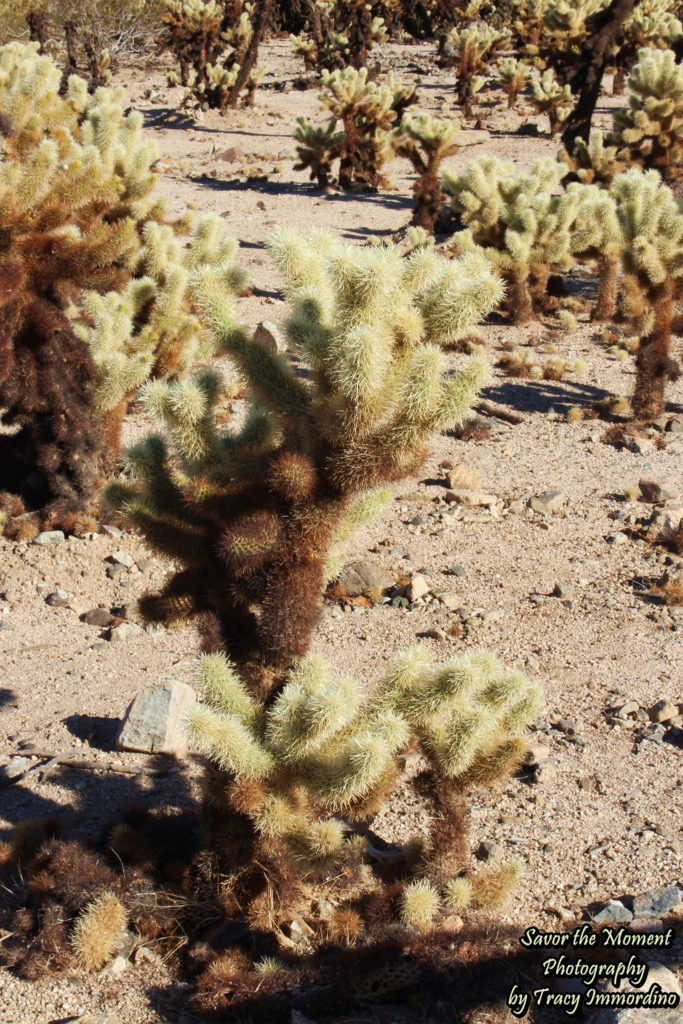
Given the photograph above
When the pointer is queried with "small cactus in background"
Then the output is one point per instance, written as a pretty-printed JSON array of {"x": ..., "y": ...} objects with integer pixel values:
[
  {"x": 470, "y": 50},
  {"x": 528, "y": 23},
  {"x": 317, "y": 149},
  {"x": 650, "y": 131},
  {"x": 426, "y": 141},
  {"x": 653, "y": 25},
  {"x": 523, "y": 227},
  {"x": 550, "y": 98},
  {"x": 651, "y": 220},
  {"x": 342, "y": 34},
  {"x": 199, "y": 32},
  {"x": 367, "y": 111},
  {"x": 514, "y": 75}
]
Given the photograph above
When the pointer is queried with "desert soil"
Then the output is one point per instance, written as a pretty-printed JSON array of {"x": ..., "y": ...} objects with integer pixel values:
[{"x": 611, "y": 822}]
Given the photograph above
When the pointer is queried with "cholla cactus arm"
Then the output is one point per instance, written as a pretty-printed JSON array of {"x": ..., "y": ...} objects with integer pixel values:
[
  {"x": 650, "y": 131},
  {"x": 426, "y": 142},
  {"x": 593, "y": 161},
  {"x": 550, "y": 98},
  {"x": 651, "y": 221}
]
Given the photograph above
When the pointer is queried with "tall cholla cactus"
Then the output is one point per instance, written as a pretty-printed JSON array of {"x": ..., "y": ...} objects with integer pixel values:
[
  {"x": 650, "y": 131},
  {"x": 252, "y": 514},
  {"x": 470, "y": 50},
  {"x": 597, "y": 237},
  {"x": 216, "y": 46},
  {"x": 343, "y": 34},
  {"x": 528, "y": 23},
  {"x": 564, "y": 30},
  {"x": 294, "y": 778},
  {"x": 519, "y": 221},
  {"x": 426, "y": 141},
  {"x": 75, "y": 192},
  {"x": 367, "y": 112},
  {"x": 513, "y": 77},
  {"x": 553, "y": 99},
  {"x": 651, "y": 220}
]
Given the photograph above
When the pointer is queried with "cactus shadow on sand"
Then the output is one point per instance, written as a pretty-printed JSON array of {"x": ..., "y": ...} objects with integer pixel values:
[{"x": 543, "y": 395}]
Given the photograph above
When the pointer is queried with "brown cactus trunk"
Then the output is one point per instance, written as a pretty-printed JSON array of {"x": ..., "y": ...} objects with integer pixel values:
[
  {"x": 520, "y": 297},
  {"x": 653, "y": 363},
  {"x": 607, "y": 291}
]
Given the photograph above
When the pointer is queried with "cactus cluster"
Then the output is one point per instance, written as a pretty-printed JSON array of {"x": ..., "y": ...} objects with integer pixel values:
[
  {"x": 523, "y": 226},
  {"x": 366, "y": 112},
  {"x": 216, "y": 47},
  {"x": 470, "y": 50},
  {"x": 341, "y": 33},
  {"x": 649, "y": 132},
  {"x": 95, "y": 294}
]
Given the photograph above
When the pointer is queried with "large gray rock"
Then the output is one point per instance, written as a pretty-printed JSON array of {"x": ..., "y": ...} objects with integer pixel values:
[
  {"x": 658, "y": 975},
  {"x": 361, "y": 577},
  {"x": 155, "y": 722}
]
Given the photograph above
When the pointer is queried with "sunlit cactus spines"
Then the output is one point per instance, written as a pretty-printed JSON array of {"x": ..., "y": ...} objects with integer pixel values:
[
  {"x": 651, "y": 220},
  {"x": 593, "y": 162},
  {"x": 513, "y": 74},
  {"x": 520, "y": 222},
  {"x": 426, "y": 141},
  {"x": 597, "y": 237}
]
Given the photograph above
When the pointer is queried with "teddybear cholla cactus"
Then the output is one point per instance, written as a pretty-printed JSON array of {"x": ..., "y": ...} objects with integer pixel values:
[
  {"x": 522, "y": 225},
  {"x": 367, "y": 111},
  {"x": 78, "y": 219},
  {"x": 550, "y": 98},
  {"x": 470, "y": 50},
  {"x": 650, "y": 131},
  {"x": 343, "y": 34},
  {"x": 75, "y": 189},
  {"x": 651, "y": 220},
  {"x": 653, "y": 25},
  {"x": 199, "y": 33},
  {"x": 294, "y": 776},
  {"x": 597, "y": 237},
  {"x": 426, "y": 141},
  {"x": 593, "y": 161},
  {"x": 253, "y": 514}
]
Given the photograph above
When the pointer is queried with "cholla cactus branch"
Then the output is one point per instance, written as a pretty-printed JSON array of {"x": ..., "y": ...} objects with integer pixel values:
[{"x": 426, "y": 142}]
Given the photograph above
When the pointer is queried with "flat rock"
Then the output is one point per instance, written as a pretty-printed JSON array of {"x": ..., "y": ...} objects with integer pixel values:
[
  {"x": 155, "y": 721},
  {"x": 98, "y": 617},
  {"x": 58, "y": 599},
  {"x": 358, "y": 578},
  {"x": 49, "y": 537},
  {"x": 547, "y": 502},
  {"x": 99, "y": 1018},
  {"x": 665, "y": 524},
  {"x": 471, "y": 498},
  {"x": 662, "y": 711},
  {"x": 449, "y": 598},
  {"x": 656, "y": 902},
  {"x": 463, "y": 477},
  {"x": 535, "y": 753},
  {"x": 123, "y": 558},
  {"x": 658, "y": 491},
  {"x": 613, "y": 913}
]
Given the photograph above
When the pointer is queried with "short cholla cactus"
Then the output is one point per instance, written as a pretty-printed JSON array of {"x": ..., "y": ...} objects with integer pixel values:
[
  {"x": 550, "y": 98},
  {"x": 100, "y": 931},
  {"x": 650, "y": 131},
  {"x": 522, "y": 225},
  {"x": 367, "y": 111},
  {"x": 593, "y": 161},
  {"x": 199, "y": 32},
  {"x": 253, "y": 514},
  {"x": 514, "y": 75},
  {"x": 597, "y": 237},
  {"x": 651, "y": 220},
  {"x": 470, "y": 51},
  {"x": 295, "y": 775},
  {"x": 343, "y": 32},
  {"x": 653, "y": 25},
  {"x": 426, "y": 141}
]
